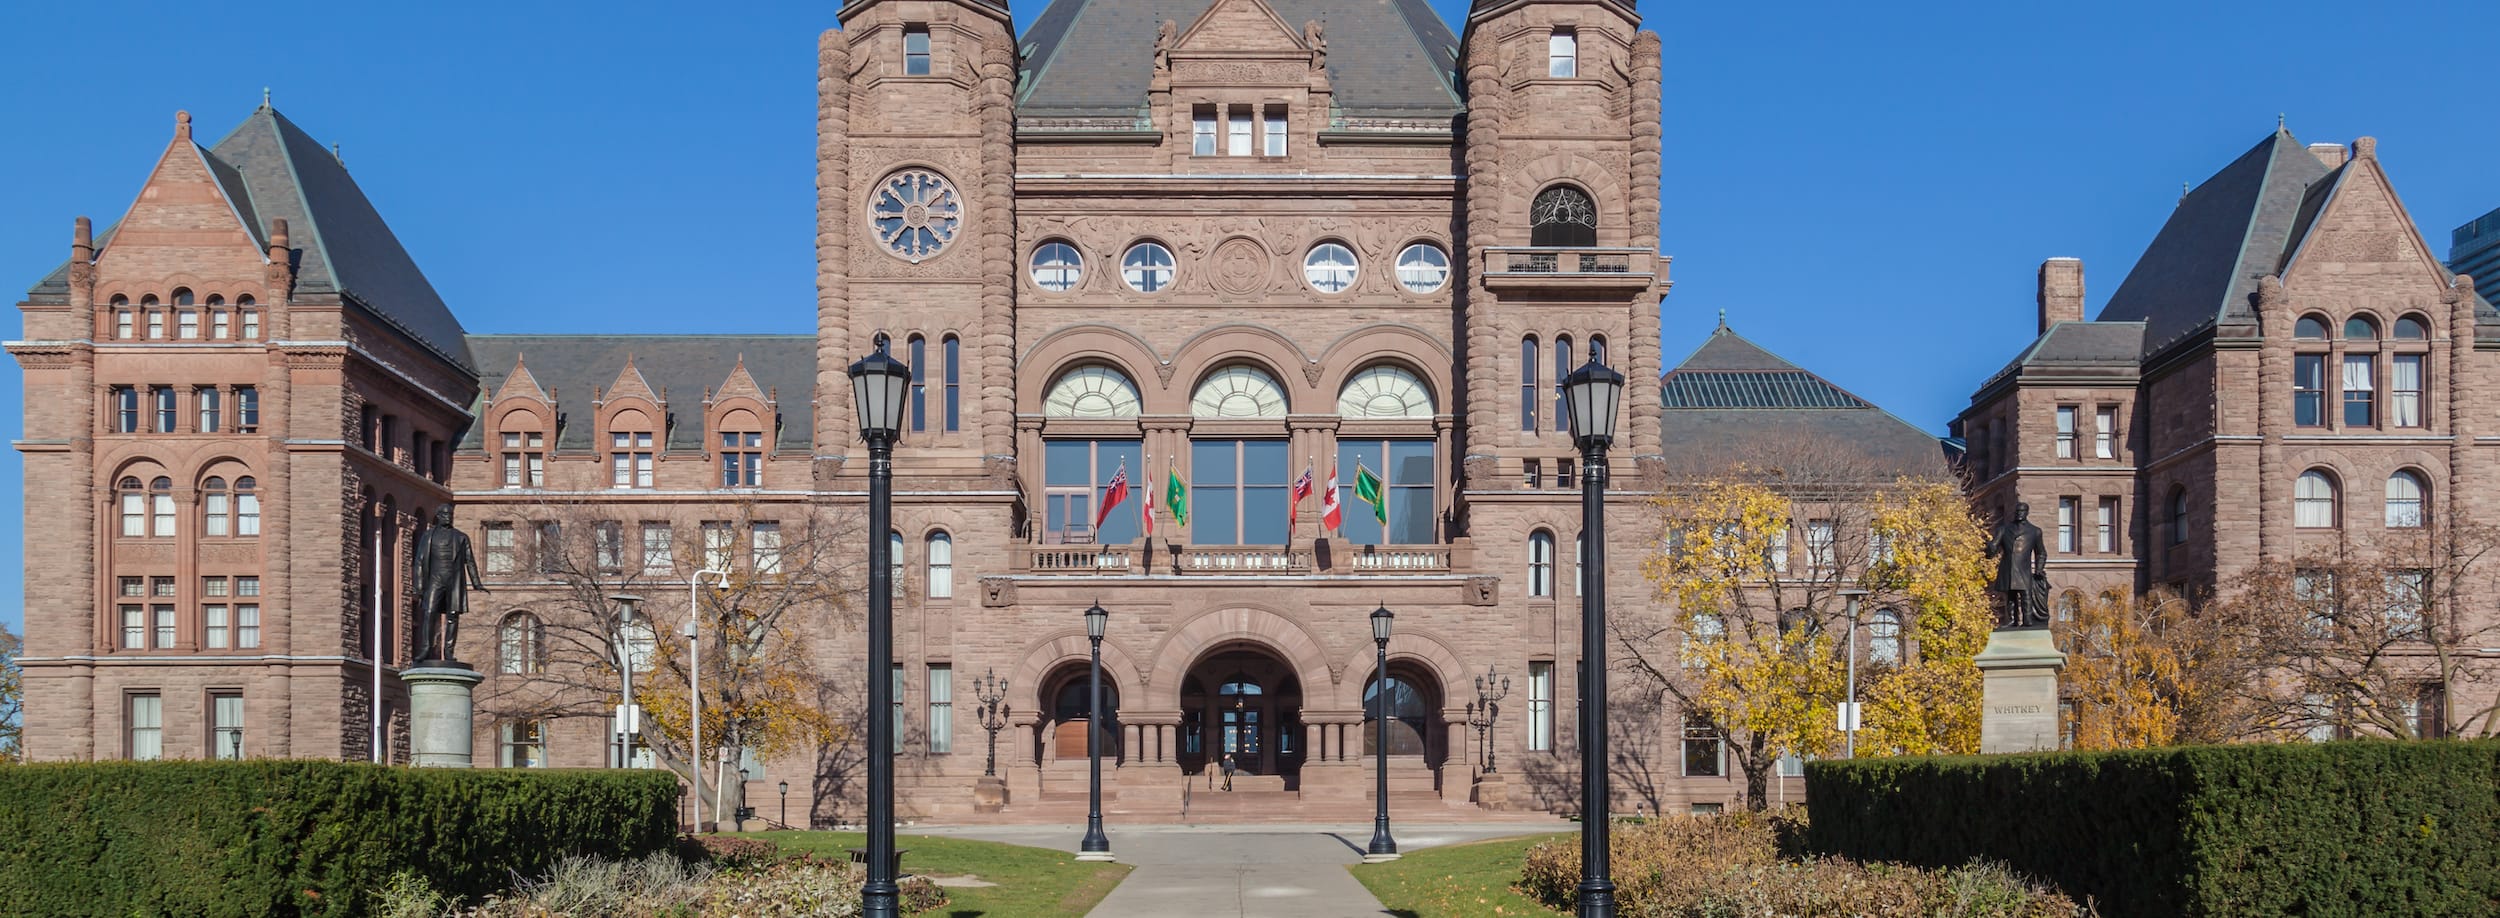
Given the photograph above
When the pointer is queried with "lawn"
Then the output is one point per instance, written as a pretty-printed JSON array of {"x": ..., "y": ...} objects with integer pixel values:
[
  {"x": 1456, "y": 881},
  {"x": 1032, "y": 882}
]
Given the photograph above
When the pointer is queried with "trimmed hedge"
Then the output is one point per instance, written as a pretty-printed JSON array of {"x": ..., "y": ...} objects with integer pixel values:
[
  {"x": 301, "y": 837},
  {"x": 2348, "y": 828}
]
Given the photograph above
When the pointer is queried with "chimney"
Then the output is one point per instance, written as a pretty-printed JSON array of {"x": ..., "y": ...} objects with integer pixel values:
[
  {"x": 82, "y": 242},
  {"x": 2061, "y": 292},
  {"x": 2332, "y": 154}
]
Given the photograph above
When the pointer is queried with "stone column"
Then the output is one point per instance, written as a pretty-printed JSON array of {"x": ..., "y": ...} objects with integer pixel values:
[
  {"x": 441, "y": 717},
  {"x": 2018, "y": 695}
]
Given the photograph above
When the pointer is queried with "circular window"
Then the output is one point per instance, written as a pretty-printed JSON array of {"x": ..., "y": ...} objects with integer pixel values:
[
  {"x": 1423, "y": 268},
  {"x": 916, "y": 213},
  {"x": 1147, "y": 267},
  {"x": 1057, "y": 267},
  {"x": 1330, "y": 267}
]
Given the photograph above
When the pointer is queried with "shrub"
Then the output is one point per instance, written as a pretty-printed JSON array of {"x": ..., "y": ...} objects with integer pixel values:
[
  {"x": 663, "y": 886},
  {"x": 1722, "y": 866},
  {"x": 728, "y": 852},
  {"x": 2349, "y": 828},
  {"x": 302, "y": 837}
]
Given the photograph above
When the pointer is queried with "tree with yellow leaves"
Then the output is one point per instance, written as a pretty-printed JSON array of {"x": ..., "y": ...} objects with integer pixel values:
[
  {"x": 1748, "y": 638},
  {"x": 2137, "y": 671}
]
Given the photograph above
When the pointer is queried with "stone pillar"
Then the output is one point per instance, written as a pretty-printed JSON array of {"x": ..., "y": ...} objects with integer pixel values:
[
  {"x": 441, "y": 717},
  {"x": 2018, "y": 695}
]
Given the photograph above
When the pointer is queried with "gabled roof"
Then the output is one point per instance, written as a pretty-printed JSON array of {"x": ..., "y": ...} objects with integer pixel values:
[
  {"x": 2070, "y": 347},
  {"x": 1734, "y": 401},
  {"x": 680, "y": 367},
  {"x": 1094, "y": 58},
  {"x": 271, "y": 170},
  {"x": 2226, "y": 233}
]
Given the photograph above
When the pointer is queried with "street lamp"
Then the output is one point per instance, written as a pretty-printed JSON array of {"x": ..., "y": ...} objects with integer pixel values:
[
  {"x": 1849, "y": 708},
  {"x": 1591, "y": 395},
  {"x": 785, "y": 804},
  {"x": 694, "y": 685},
  {"x": 879, "y": 384},
  {"x": 991, "y": 691},
  {"x": 628, "y": 717},
  {"x": 1383, "y": 848},
  {"x": 1482, "y": 712},
  {"x": 1096, "y": 846}
]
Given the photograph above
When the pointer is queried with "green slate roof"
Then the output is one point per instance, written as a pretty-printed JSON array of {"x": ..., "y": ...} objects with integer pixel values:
[{"x": 1734, "y": 401}]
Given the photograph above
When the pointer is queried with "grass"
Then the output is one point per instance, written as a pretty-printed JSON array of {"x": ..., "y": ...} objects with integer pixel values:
[
  {"x": 1032, "y": 882},
  {"x": 1456, "y": 881}
]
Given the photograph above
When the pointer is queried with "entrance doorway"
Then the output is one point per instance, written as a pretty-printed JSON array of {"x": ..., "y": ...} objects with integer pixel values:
[
  {"x": 1242, "y": 701},
  {"x": 1412, "y": 704},
  {"x": 1066, "y": 695}
]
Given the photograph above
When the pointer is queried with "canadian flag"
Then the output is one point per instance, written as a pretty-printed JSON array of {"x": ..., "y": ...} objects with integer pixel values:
[
  {"x": 1330, "y": 516},
  {"x": 1149, "y": 509}
]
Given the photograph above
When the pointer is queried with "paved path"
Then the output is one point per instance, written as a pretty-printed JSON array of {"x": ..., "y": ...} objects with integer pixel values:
[{"x": 1279, "y": 871}]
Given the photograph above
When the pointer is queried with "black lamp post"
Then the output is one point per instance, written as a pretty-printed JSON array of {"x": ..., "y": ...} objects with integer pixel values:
[
  {"x": 991, "y": 691},
  {"x": 785, "y": 804},
  {"x": 1096, "y": 846},
  {"x": 1481, "y": 713},
  {"x": 1591, "y": 395},
  {"x": 1383, "y": 848},
  {"x": 879, "y": 384}
]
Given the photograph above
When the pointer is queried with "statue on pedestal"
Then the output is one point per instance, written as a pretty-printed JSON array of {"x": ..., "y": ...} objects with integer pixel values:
[
  {"x": 446, "y": 572},
  {"x": 2022, "y": 572}
]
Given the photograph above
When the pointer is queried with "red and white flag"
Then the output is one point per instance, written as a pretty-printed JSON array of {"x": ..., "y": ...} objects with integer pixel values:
[
  {"x": 1148, "y": 511},
  {"x": 1112, "y": 496},
  {"x": 1331, "y": 517},
  {"x": 1293, "y": 505}
]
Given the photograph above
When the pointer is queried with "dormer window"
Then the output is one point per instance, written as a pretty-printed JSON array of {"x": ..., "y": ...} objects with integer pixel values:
[
  {"x": 1562, "y": 54},
  {"x": 916, "y": 50}
]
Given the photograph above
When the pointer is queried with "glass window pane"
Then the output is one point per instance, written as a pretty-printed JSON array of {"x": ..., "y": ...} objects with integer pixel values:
[
  {"x": 1065, "y": 462},
  {"x": 1122, "y": 526}
]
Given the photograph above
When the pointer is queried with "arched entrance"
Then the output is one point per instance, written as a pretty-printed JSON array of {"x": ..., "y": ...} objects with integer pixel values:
[
  {"x": 1243, "y": 700},
  {"x": 1066, "y": 698},
  {"x": 1413, "y": 705}
]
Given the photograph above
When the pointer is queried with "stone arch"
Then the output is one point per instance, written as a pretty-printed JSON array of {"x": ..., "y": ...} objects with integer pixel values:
[
  {"x": 1408, "y": 347},
  {"x": 1070, "y": 646},
  {"x": 1259, "y": 345},
  {"x": 1412, "y": 645},
  {"x": 1605, "y": 190},
  {"x": 1269, "y": 630},
  {"x": 1078, "y": 345}
]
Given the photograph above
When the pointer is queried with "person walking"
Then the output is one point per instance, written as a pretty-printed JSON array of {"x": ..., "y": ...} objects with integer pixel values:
[{"x": 1228, "y": 772}]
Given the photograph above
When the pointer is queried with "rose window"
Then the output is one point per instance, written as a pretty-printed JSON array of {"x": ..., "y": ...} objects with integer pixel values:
[{"x": 916, "y": 213}]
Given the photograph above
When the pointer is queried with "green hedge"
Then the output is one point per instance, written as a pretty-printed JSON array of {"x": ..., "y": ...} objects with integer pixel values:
[
  {"x": 301, "y": 837},
  {"x": 2350, "y": 828}
]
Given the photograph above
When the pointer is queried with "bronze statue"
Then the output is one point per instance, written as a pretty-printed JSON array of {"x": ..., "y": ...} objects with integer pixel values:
[
  {"x": 2022, "y": 572},
  {"x": 446, "y": 572}
]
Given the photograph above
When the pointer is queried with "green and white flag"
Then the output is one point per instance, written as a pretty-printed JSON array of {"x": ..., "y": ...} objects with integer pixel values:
[
  {"x": 1367, "y": 490},
  {"x": 1176, "y": 497}
]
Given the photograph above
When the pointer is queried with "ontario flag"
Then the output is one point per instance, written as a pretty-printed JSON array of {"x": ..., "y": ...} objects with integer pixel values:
[
  {"x": 1331, "y": 516},
  {"x": 1112, "y": 495},
  {"x": 1293, "y": 505}
]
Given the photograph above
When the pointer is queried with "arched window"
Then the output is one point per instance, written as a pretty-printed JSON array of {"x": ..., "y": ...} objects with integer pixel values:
[
  {"x": 1091, "y": 392},
  {"x": 941, "y": 560},
  {"x": 1562, "y": 215},
  {"x": 1385, "y": 391},
  {"x": 1541, "y": 563},
  {"x": 741, "y": 449},
  {"x": 919, "y": 383},
  {"x": 220, "y": 507},
  {"x": 221, "y": 321},
  {"x": 954, "y": 377},
  {"x": 1423, "y": 268},
  {"x": 1330, "y": 267},
  {"x": 2360, "y": 328},
  {"x": 1529, "y": 397},
  {"x": 1147, "y": 267},
  {"x": 1562, "y": 371},
  {"x": 2412, "y": 328},
  {"x": 134, "y": 501},
  {"x": 2313, "y": 501},
  {"x": 1597, "y": 348},
  {"x": 2178, "y": 515},
  {"x": 161, "y": 507},
  {"x": 122, "y": 318},
  {"x": 186, "y": 319},
  {"x": 522, "y": 645},
  {"x": 1057, "y": 267},
  {"x": 1883, "y": 632},
  {"x": 246, "y": 507},
  {"x": 2406, "y": 508},
  {"x": 1238, "y": 391},
  {"x": 2310, "y": 328},
  {"x": 248, "y": 317},
  {"x": 156, "y": 316}
]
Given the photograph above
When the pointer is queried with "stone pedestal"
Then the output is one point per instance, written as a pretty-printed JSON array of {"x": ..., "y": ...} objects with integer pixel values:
[
  {"x": 989, "y": 794},
  {"x": 1491, "y": 792},
  {"x": 440, "y": 714},
  {"x": 2018, "y": 697}
]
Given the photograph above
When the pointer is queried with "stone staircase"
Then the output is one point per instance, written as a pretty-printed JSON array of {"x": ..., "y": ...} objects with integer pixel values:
[{"x": 1157, "y": 794}]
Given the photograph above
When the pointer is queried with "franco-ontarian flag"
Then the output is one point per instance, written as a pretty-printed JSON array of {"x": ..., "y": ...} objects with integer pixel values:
[
  {"x": 1176, "y": 497},
  {"x": 1367, "y": 490}
]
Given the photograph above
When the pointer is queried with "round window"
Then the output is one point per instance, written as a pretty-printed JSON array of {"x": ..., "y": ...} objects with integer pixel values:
[
  {"x": 1330, "y": 267},
  {"x": 1057, "y": 267},
  {"x": 1147, "y": 267},
  {"x": 916, "y": 212},
  {"x": 1423, "y": 268}
]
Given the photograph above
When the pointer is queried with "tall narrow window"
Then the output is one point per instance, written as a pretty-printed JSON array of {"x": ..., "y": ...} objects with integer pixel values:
[
  {"x": 218, "y": 508},
  {"x": 765, "y": 546},
  {"x": 1579, "y": 560},
  {"x": 919, "y": 383},
  {"x": 741, "y": 459},
  {"x": 246, "y": 409},
  {"x": 1540, "y": 706},
  {"x": 717, "y": 540},
  {"x": 210, "y": 408},
  {"x": 216, "y": 615},
  {"x": 522, "y": 648},
  {"x": 2105, "y": 526},
  {"x": 134, "y": 625},
  {"x": 2404, "y": 501},
  {"x": 915, "y": 50},
  {"x": 250, "y": 317},
  {"x": 163, "y": 615},
  {"x": 607, "y": 543},
  {"x": 247, "y": 614},
  {"x": 147, "y": 727},
  {"x": 1883, "y": 631},
  {"x": 1821, "y": 539},
  {"x": 2067, "y": 509},
  {"x": 187, "y": 324},
  {"x": 2404, "y": 390},
  {"x": 2178, "y": 516},
  {"x": 896, "y": 561},
  {"x": 122, "y": 327},
  {"x": 225, "y": 726},
  {"x": 161, "y": 508},
  {"x": 499, "y": 549},
  {"x": 2313, "y": 501},
  {"x": 1202, "y": 131},
  {"x": 168, "y": 410},
  {"x": 220, "y": 319},
  {"x": 901, "y": 723},
  {"x": 1704, "y": 749},
  {"x": 629, "y": 459},
  {"x": 547, "y": 546},
  {"x": 125, "y": 409},
  {"x": 658, "y": 553},
  {"x": 156, "y": 317},
  {"x": 1275, "y": 135},
  {"x": 1237, "y": 492},
  {"x": 2065, "y": 431},
  {"x": 954, "y": 373},
  {"x": 1541, "y": 564},
  {"x": 1529, "y": 395},
  {"x": 941, "y": 708},
  {"x": 941, "y": 559},
  {"x": 2309, "y": 390},
  {"x": 1562, "y": 371},
  {"x": 1562, "y": 54},
  {"x": 1237, "y": 131},
  {"x": 2105, "y": 432},
  {"x": 2360, "y": 395}
]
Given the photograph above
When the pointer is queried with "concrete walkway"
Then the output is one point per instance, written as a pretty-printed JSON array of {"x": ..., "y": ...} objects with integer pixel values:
[{"x": 1281, "y": 871}]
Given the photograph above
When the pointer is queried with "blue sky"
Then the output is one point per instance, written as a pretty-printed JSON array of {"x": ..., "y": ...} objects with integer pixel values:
[{"x": 1864, "y": 188}]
